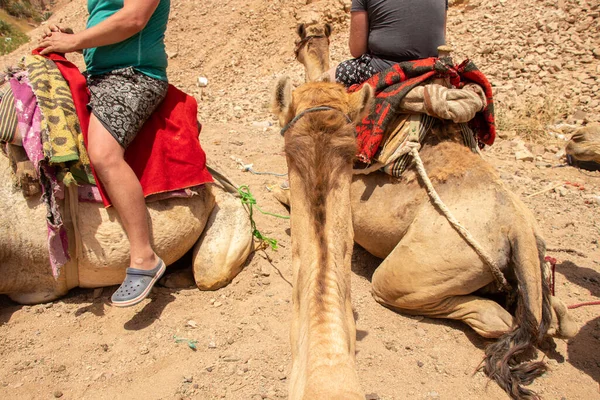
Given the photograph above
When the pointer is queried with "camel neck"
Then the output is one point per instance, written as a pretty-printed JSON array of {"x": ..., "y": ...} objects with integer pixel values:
[{"x": 323, "y": 331}]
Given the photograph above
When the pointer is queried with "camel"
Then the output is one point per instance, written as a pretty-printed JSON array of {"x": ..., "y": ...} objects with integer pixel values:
[
  {"x": 213, "y": 222},
  {"x": 428, "y": 268},
  {"x": 323, "y": 330},
  {"x": 312, "y": 49}
]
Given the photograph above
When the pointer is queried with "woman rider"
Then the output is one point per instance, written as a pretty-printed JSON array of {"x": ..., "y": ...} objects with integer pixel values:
[{"x": 124, "y": 52}]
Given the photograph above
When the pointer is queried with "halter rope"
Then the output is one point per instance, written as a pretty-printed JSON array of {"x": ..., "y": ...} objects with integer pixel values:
[{"x": 310, "y": 110}]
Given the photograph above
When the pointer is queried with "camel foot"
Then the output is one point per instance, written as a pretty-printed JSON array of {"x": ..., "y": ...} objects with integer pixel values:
[
  {"x": 225, "y": 244},
  {"x": 563, "y": 325},
  {"x": 282, "y": 195}
]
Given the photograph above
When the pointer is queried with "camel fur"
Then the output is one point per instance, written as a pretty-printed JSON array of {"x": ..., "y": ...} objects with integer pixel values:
[
  {"x": 219, "y": 230},
  {"x": 323, "y": 333},
  {"x": 428, "y": 268}
]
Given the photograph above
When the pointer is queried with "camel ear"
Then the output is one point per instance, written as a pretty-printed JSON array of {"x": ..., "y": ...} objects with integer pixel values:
[
  {"x": 282, "y": 100},
  {"x": 360, "y": 102},
  {"x": 328, "y": 30},
  {"x": 301, "y": 31}
]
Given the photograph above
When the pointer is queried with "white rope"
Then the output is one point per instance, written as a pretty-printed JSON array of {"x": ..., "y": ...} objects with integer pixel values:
[{"x": 498, "y": 275}]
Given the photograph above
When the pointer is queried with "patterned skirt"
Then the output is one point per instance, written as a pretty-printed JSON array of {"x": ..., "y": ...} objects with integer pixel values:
[
  {"x": 354, "y": 71},
  {"x": 123, "y": 100}
]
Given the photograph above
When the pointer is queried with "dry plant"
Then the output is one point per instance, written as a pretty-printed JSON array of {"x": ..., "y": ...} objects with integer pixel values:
[{"x": 530, "y": 118}]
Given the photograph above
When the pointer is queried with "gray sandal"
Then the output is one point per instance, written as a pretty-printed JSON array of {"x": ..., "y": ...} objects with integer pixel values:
[{"x": 137, "y": 285}]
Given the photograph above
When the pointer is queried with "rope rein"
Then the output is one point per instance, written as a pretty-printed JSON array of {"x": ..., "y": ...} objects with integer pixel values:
[{"x": 435, "y": 198}]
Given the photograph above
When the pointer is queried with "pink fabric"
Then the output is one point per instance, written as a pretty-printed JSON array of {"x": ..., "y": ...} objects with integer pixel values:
[{"x": 29, "y": 119}]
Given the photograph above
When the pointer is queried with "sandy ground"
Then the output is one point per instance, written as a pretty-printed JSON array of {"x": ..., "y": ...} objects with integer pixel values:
[{"x": 80, "y": 347}]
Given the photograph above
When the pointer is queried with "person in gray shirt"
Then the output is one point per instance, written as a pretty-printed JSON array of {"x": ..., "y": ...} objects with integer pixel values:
[{"x": 385, "y": 32}]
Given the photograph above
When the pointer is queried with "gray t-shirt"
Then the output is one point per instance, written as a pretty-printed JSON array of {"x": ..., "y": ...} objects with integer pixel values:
[{"x": 403, "y": 30}]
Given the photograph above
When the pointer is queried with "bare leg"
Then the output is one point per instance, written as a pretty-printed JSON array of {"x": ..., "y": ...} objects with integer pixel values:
[{"x": 125, "y": 191}]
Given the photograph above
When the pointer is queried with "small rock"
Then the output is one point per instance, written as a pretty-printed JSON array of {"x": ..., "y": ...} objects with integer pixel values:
[
  {"x": 261, "y": 124},
  {"x": 188, "y": 379},
  {"x": 507, "y": 134},
  {"x": 202, "y": 81},
  {"x": 217, "y": 304},
  {"x": 144, "y": 350},
  {"x": 192, "y": 324},
  {"x": 524, "y": 155},
  {"x": 420, "y": 364},
  {"x": 59, "y": 368},
  {"x": 58, "y": 394},
  {"x": 372, "y": 396},
  {"x": 212, "y": 345},
  {"x": 561, "y": 190}
]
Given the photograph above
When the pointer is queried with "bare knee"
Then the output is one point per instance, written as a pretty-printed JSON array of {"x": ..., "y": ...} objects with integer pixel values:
[{"x": 104, "y": 159}]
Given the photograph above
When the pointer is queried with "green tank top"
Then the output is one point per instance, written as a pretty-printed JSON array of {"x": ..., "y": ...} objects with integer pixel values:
[{"x": 144, "y": 51}]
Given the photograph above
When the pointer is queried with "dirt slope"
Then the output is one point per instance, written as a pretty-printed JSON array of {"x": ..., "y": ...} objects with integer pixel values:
[{"x": 81, "y": 348}]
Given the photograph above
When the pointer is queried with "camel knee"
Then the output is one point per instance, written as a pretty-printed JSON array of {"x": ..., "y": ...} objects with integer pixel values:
[
  {"x": 397, "y": 297},
  {"x": 385, "y": 293}
]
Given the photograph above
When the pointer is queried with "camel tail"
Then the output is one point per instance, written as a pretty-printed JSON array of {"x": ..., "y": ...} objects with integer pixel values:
[{"x": 509, "y": 360}]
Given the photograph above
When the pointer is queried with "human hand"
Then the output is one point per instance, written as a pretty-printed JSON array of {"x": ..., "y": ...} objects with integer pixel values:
[
  {"x": 58, "y": 42},
  {"x": 48, "y": 29}
]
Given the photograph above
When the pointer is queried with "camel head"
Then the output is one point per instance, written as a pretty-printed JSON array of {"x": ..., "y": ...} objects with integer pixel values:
[
  {"x": 312, "y": 49},
  {"x": 288, "y": 104}
]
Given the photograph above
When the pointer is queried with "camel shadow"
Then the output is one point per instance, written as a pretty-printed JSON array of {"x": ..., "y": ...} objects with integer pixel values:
[
  {"x": 586, "y": 278},
  {"x": 364, "y": 263},
  {"x": 7, "y": 309},
  {"x": 583, "y": 349}
]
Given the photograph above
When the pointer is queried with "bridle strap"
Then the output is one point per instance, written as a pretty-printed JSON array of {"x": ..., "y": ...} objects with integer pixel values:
[
  {"x": 301, "y": 43},
  {"x": 310, "y": 110}
]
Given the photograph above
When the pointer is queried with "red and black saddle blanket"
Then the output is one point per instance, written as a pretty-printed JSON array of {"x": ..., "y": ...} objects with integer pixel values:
[{"x": 393, "y": 84}]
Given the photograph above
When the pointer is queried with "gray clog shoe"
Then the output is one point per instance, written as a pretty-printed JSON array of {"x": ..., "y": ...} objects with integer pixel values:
[{"x": 137, "y": 285}]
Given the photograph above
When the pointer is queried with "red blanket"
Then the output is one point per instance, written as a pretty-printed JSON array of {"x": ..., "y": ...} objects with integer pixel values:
[
  {"x": 394, "y": 83},
  {"x": 166, "y": 154}
]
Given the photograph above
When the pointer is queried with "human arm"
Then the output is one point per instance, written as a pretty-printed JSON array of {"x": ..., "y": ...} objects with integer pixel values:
[
  {"x": 359, "y": 33},
  {"x": 123, "y": 24},
  {"x": 446, "y": 22}
]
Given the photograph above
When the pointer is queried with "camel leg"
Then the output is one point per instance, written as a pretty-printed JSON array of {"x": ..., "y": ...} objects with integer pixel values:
[
  {"x": 486, "y": 317},
  {"x": 225, "y": 244},
  {"x": 421, "y": 277}
]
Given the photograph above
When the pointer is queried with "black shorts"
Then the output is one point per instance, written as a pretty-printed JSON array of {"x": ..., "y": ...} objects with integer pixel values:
[{"x": 123, "y": 100}]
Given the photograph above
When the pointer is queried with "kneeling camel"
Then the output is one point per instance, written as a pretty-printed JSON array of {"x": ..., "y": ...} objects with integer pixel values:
[
  {"x": 213, "y": 222},
  {"x": 427, "y": 269}
]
